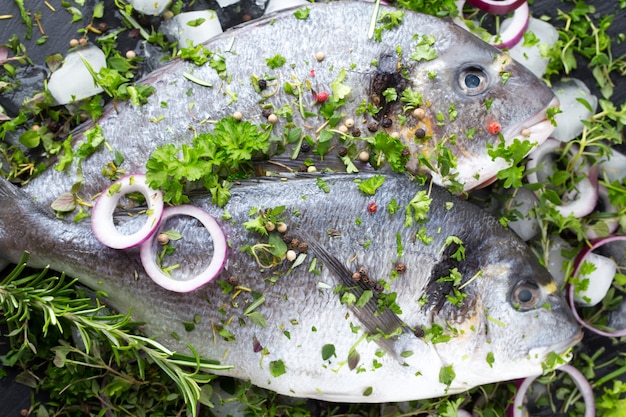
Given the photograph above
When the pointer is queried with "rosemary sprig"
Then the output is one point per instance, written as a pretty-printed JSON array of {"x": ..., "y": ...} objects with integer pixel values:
[{"x": 24, "y": 297}]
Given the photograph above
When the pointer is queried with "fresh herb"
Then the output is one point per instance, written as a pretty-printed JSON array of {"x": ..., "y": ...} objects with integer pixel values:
[
  {"x": 209, "y": 162},
  {"x": 387, "y": 21},
  {"x": 47, "y": 305},
  {"x": 417, "y": 209},
  {"x": 302, "y": 14},
  {"x": 276, "y": 61},
  {"x": 424, "y": 50},
  {"x": 370, "y": 185}
]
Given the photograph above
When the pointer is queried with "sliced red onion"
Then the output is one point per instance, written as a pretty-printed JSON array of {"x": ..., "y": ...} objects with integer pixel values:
[
  {"x": 539, "y": 156},
  {"x": 102, "y": 214},
  {"x": 611, "y": 223},
  {"x": 584, "y": 199},
  {"x": 515, "y": 30},
  {"x": 581, "y": 201},
  {"x": 497, "y": 6},
  {"x": 220, "y": 250},
  {"x": 571, "y": 290},
  {"x": 579, "y": 379}
]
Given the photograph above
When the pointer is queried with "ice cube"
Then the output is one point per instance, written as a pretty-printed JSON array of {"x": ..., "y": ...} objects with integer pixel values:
[
  {"x": 73, "y": 81},
  {"x": 197, "y": 27}
]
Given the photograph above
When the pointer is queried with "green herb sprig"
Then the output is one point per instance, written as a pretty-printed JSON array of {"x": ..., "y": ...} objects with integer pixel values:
[{"x": 51, "y": 300}]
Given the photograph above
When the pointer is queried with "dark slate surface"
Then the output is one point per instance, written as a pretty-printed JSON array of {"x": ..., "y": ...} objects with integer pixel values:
[{"x": 15, "y": 397}]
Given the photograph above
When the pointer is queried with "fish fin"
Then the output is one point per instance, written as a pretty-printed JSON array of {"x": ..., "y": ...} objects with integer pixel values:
[{"x": 384, "y": 326}]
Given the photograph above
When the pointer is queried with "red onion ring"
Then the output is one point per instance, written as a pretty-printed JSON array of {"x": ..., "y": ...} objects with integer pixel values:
[
  {"x": 519, "y": 23},
  {"x": 497, "y": 6},
  {"x": 570, "y": 290},
  {"x": 220, "y": 250},
  {"x": 515, "y": 32},
  {"x": 612, "y": 224},
  {"x": 586, "y": 197},
  {"x": 579, "y": 379},
  {"x": 102, "y": 214}
]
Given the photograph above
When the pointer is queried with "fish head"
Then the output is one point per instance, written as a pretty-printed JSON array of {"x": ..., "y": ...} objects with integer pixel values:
[
  {"x": 475, "y": 98},
  {"x": 513, "y": 319}
]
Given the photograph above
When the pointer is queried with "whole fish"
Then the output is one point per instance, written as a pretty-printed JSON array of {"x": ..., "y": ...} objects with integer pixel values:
[
  {"x": 467, "y": 94},
  {"x": 405, "y": 294}
]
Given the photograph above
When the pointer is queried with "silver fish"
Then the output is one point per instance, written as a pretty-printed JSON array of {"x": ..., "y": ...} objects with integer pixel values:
[
  {"x": 420, "y": 320},
  {"x": 467, "y": 87}
]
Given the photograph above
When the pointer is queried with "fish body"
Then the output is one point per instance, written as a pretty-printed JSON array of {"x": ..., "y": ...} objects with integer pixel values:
[
  {"x": 310, "y": 330},
  {"x": 469, "y": 94}
]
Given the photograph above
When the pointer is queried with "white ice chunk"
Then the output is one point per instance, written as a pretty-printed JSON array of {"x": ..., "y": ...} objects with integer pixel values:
[
  {"x": 525, "y": 225},
  {"x": 568, "y": 122},
  {"x": 557, "y": 258},
  {"x": 150, "y": 7},
  {"x": 226, "y": 3},
  {"x": 197, "y": 27},
  {"x": 533, "y": 56},
  {"x": 599, "y": 280},
  {"x": 276, "y": 5},
  {"x": 73, "y": 81}
]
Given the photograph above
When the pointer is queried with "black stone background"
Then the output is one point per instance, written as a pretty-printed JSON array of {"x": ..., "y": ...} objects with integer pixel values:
[{"x": 15, "y": 397}]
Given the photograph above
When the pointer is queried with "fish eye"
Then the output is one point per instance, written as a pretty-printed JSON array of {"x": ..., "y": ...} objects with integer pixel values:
[
  {"x": 525, "y": 295},
  {"x": 473, "y": 80}
]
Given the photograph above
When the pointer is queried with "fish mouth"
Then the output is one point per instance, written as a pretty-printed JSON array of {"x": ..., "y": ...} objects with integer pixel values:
[
  {"x": 535, "y": 129},
  {"x": 559, "y": 348}
]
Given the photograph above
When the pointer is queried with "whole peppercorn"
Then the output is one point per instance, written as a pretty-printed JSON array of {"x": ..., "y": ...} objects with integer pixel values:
[
  {"x": 262, "y": 84},
  {"x": 356, "y": 277},
  {"x": 342, "y": 151},
  {"x": 362, "y": 271},
  {"x": 266, "y": 113},
  {"x": 372, "y": 126},
  {"x": 387, "y": 122},
  {"x": 420, "y": 133},
  {"x": 163, "y": 239},
  {"x": 356, "y": 132},
  {"x": 405, "y": 152},
  {"x": 419, "y": 113},
  {"x": 294, "y": 243},
  {"x": 233, "y": 280},
  {"x": 287, "y": 239},
  {"x": 303, "y": 247},
  {"x": 305, "y": 147},
  {"x": 291, "y": 255},
  {"x": 400, "y": 268},
  {"x": 378, "y": 287}
]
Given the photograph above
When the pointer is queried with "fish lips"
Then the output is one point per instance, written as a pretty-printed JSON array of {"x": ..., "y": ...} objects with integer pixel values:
[{"x": 559, "y": 348}]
